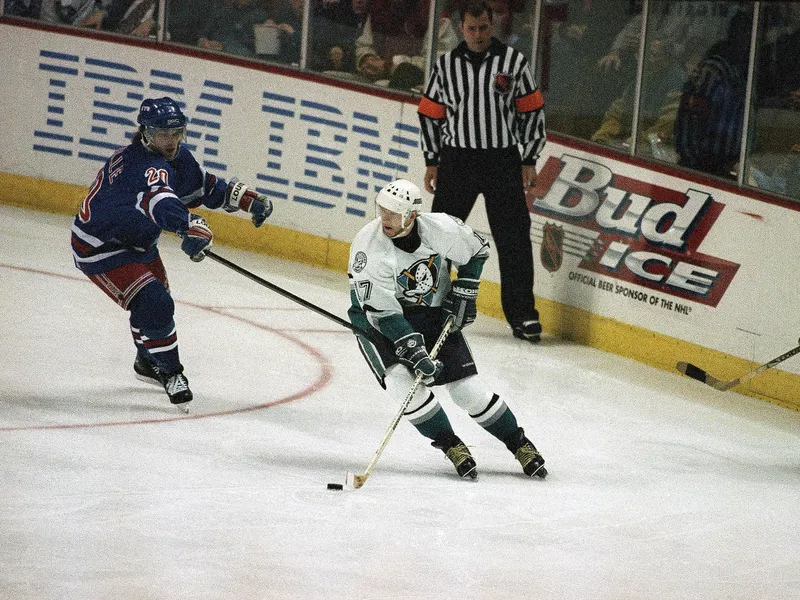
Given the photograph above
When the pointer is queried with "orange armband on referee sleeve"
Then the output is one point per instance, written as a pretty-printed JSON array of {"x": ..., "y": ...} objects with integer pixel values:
[
  {"x": 529, "y": 103},
  {"x": 431, "y": 109}
]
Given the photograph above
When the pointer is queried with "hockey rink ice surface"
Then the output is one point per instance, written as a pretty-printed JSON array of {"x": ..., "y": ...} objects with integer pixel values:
[{"x": 659, "y": 487}]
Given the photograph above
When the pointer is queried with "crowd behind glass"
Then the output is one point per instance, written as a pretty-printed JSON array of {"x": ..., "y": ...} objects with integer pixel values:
[{"x": 711, "y": 86}]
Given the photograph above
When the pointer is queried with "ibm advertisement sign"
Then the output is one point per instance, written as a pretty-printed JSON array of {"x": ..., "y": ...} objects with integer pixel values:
[{"x": 298, "y": 142}]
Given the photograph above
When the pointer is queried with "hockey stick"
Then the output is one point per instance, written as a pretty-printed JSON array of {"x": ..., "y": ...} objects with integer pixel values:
[
  {"x": 359, "y": 480},
  {"x": 694, "y": 372},
  {"x": 285, "y": 293}
]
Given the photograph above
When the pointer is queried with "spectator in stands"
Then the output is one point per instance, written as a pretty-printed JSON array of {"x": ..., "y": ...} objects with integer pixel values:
[
  {"x": 681, "y": 24},
  {"x": 186, "y": 19},
  {"x": 625, "y": 44},
  {"x": 23, "y": 8},
  {"x": 289, "y": 20},
  {"x": 708, "y": 128},
  {"x": 70, "y": 12},
  {"x": 336, "y": 24},
  {"x": 393, "y": 28},
  {"x": 131, "y": 17},
  {"x": 658, "y": 103},
  {"x": 48, "y": 12},
  {"x": 391, "y": 45},
  {"x": 778, "y": 77},
  {"x": 576, "y": 91},
  {"x": 229, "y": 26}
]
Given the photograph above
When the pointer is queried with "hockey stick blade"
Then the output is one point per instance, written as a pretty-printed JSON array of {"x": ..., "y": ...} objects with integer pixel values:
[{"x": 699, "y": 374}]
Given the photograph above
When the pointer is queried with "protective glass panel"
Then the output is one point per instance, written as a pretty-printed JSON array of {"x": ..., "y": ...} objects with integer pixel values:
[
  {"x": 377, "y": 42},
  {"x": 186, "y": 20},
  {"x": 774, "y": 145},
  {"x": 334, "y": 28},
  {"x": 587, "y": 66},
  {"x": 128, "y": 17},
  {"x": 694, "y": 81},
  {"x": 269, "y": 29},
  {"x": 279, "y": 37}
]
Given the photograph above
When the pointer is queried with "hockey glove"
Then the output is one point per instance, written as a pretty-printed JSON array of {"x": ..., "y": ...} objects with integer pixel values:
[
  {"x": 412, "y": 353},
  {"x": 460, "y": 302},
  {"x": 196, "y": 238},
  {"x": 239, "y": 197}
]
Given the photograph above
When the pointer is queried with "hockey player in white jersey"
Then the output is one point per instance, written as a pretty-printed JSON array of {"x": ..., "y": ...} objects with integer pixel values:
[{"x": 401, "y": 293}]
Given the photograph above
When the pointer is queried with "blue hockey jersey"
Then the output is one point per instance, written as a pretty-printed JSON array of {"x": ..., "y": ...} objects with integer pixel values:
[{"x": 137, "y": 195}]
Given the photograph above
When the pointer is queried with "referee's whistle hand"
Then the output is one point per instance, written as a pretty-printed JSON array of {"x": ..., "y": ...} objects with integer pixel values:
[
  {"x": 528, "y": 176},
  {"x": 430, "y": 179}
]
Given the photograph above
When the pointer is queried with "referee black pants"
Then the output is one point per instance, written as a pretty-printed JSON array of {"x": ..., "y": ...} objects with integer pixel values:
[{"x": 497, "y": 174}]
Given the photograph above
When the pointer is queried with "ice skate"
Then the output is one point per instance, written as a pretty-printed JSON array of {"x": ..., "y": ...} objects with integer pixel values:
[
  {"x": 527, "y": 455},
  {"x": 177, "y": 388},
  {"x": 530, "y": 331},
  {"x": 455, "y": 450},
  {"x": 146, "y": 371}
]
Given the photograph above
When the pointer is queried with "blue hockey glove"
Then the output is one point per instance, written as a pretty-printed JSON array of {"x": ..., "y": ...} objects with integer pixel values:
[
  {"x": 410, "y": 350},
  {"x": 460, "y": 302},
  {"x": 239, "y": 197},
  {"x": 196, "y": 238}
]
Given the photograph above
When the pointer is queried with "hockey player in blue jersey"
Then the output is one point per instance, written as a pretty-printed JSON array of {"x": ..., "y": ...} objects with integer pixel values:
[{"x": 143, "y": 189}]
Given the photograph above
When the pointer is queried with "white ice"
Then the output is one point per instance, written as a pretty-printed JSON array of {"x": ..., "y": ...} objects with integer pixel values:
[{"x": 659, "y": 486}]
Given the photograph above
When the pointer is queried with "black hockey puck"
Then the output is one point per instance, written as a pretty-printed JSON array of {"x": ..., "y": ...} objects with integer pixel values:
[{"x": 335, "y": 486}]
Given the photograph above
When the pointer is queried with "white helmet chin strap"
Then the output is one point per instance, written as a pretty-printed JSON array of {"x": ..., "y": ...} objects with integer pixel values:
[
  {"x": 401, "y": 234},
  {"x": 406, "y": 225}
]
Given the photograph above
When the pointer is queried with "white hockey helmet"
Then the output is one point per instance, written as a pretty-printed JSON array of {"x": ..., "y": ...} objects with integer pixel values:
[{"x": 401, "y": 197}]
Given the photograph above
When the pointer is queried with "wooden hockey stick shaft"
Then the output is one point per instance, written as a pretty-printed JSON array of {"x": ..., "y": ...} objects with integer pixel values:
[
  {"x": 359, "y": 480},
  {"x": 699, "y": 374},
  {"x": 285, "y": 293}
]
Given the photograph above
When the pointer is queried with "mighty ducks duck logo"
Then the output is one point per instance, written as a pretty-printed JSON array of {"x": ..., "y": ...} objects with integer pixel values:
[{"x": 420, "y": 280}]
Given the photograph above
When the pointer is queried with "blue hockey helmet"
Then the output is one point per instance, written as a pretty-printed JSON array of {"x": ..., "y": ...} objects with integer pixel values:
[{"x": 161, "y": 113}]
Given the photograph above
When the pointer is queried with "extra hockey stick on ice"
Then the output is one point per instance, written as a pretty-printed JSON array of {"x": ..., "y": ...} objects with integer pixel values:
[
  {"x": 359, "y": 480},
  {"x": 694, "y": 372},
  {"x": 286, "y": 294}
]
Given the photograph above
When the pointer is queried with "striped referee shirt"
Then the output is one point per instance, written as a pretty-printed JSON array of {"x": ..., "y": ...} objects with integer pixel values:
[{"x": 482, "y": 102}]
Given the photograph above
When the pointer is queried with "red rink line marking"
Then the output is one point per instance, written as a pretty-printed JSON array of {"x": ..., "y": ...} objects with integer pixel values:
[
  {"x": 755, "y": 216},
  {"x": 320, "y": 383}
]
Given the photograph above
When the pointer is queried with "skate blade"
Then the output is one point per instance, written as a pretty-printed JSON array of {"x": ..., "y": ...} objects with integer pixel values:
[
  {"x": 471, "y": 475},
  {"x": 541, "y": 472},
  {"x": 150, "y": 380},
  {"x": 183, "y": 407}
]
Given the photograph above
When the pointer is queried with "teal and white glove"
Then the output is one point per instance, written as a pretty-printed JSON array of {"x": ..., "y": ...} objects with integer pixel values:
[
  {"x": 411, "y": 352},
  {"x": 460, "y": 302}
]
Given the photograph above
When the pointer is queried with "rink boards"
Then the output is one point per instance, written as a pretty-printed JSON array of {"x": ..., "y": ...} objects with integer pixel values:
[{"x": 644, "y": 263}]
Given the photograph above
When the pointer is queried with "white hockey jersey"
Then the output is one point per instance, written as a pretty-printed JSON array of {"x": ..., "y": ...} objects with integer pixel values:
[{"x": 384, "y": 279}]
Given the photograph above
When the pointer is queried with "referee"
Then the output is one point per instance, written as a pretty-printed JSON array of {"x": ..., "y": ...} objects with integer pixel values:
[{"x": 480, "y": 106}]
